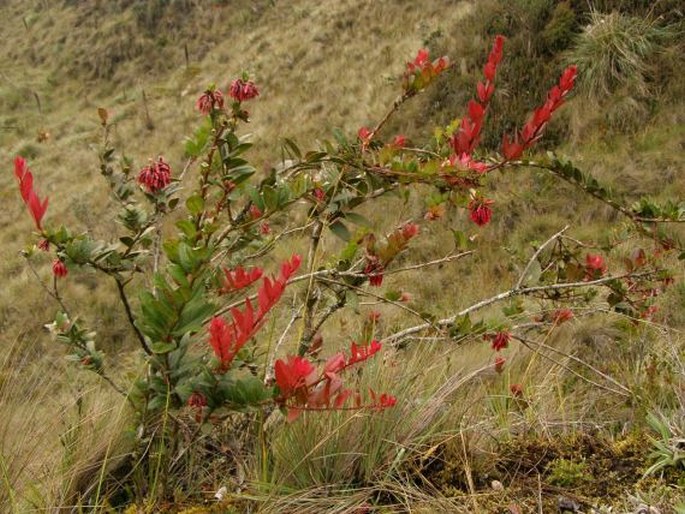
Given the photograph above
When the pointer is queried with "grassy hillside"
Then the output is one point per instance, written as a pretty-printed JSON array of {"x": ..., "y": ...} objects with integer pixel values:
[{"x": 458, "y": 441}]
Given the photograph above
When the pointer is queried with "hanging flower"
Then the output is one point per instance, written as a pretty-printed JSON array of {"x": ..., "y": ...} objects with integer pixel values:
[
  {"x": 59, "y": 269},
  {"x": 210, "y": 100},
  {"x": 242, "y": 90},
  {"x": 480, "y": 211}
]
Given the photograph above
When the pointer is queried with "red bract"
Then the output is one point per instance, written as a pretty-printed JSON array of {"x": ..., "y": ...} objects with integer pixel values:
[
  {"x": 265, "y": 228},
  {"x": 36, "y": 206},
  {"x": 242, "y": 90},
  {"x": 156, "y": 176},
  {"x": 513, "y": 147},
  {"x": 480, "y": 211},
  {"x": 44, "y": 245},
  {"x": 210, "y": 100},
  {"x": 239, "y": 278},
  {"x": 500, "y": 340},
  {"x": 59, "y": 269}
]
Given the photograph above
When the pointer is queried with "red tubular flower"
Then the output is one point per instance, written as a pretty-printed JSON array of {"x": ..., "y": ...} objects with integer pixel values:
[
  {"x": 255, "y": 212},
  {"x": 499, "y": 364},
  {"x": 156, "y": 176},
  {"x": 516, "y": 390},
  {"x": 44, "y": 245},
  {"x": 480, "y": 211},
  {"x": 198, "y": 402},
  {"x": 594, "y": 266},
  {"x": 319, "y": 194},
  {"x": 562, "y": 315},
  {"x": 36, "y": 206},
  {"x": 59, "y": 269},
  {"x": 239, "y": 278},
  {"x": 399, "y": 141},
  {"x": 409, "y": 230},
  {"x": 242, "y": 90},
  {"x": 365, "y": 134},
  {"x": 374, "y": 270},
  {"x": 265, "y": 228},
  {"x": 210, "y": 100},
  {"x": 500, "y": 340}
]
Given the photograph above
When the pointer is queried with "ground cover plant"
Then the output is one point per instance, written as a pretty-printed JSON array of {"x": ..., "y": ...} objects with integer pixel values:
[{"x": 272, "y": 412}]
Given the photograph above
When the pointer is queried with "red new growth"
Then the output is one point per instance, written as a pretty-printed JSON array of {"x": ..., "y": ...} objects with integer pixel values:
[
  {"x": 467, "y": 137},
  {"x": 513, "y": 147},
  {"x": 227, "y": 339},
  {"x": 239, "y": 278},
  {"x": 422, "y": 71},
  {"x": 36, "y": 206}
]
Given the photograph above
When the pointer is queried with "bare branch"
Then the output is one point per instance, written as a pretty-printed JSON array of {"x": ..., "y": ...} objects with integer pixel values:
[{"x": 524, "y": 274}]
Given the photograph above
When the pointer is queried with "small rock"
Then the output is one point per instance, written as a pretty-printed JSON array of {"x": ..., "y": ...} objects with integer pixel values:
[
  {"x": 497, "y": 485},
  {"x": 568, "y": 505}
]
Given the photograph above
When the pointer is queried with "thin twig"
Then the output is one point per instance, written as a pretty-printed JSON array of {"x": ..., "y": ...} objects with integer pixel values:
[
  {"x": 270, "y": 367},
  {"x": 524, "y": 274},
  {"x": 398, "y": 336},
  {"x": 131, "y": 319}
]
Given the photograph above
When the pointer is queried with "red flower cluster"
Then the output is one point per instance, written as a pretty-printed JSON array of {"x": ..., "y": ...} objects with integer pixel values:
[
  {"x": 239, "y": 279},
  {"x": 595, "y": 266},
  {"x": 242, "y": 90},
  {"x": 422, "y": 71},
  {"x": 301, "y": 387},
  {"x": 197, "y": 401},
  {"x": 512, "y": 148},
  {"x": 227, "y": 339},
  {"x": 255, "y": 212},
  {"x": 365, "y": 134},
  {"x": 562, "y": 315},
  {"x": 156, "y": 176},
  {"x": 499, "y": 363},
  {"x": 480, "y": 211},
  {"x": 210, "y": 100},
  {"x": 59, "y": 269},
  {"x": 374, "y": 270},
  {"x": 468, "y": 136},
  {"x": 36, "y": 206},
  {"x": 500, "y": 340}
]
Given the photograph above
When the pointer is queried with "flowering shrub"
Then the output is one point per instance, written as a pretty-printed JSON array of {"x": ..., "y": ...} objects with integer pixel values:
[{"x": 195, "y": 321}]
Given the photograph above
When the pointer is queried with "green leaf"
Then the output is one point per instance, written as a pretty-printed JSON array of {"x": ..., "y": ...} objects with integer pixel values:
[
  {"x": 358, "y": 219},
  {"x": 352, "y": 299},
  {"x": 292, "y": 149},
  {"x": 340, "y": 230},
  {"x": 162, "y": 348},
  {"x": 195, "y": 204}
]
